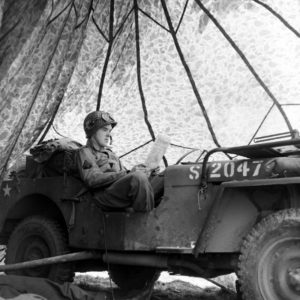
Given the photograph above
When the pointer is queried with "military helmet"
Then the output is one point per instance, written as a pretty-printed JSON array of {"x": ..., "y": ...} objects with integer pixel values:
[{"x": 95, "y": 120}]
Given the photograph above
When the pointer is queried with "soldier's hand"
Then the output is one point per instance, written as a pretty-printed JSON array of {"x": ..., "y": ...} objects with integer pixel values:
[
  {"x": 155, "y": 171},
  {"x": 141, "y": 168}
]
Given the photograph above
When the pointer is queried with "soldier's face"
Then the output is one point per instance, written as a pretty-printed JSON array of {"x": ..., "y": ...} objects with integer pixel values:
[{"x": 102, "y": 136}]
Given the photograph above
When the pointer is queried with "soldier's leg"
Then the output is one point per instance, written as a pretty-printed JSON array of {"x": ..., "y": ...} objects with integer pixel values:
[
  {"x": 133, "y": 190},
  {"x": 13, "y": 285}
]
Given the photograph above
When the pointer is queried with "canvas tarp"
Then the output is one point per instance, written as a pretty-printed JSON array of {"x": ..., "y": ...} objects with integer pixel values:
[{"x": 206, "y": 73}]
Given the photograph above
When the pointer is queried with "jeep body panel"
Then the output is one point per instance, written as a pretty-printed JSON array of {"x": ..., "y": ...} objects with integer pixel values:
[
  {"x": 240, "y": 205},
  {"x": 174, "y": 225},
  {"x": 20, "y": 198}
]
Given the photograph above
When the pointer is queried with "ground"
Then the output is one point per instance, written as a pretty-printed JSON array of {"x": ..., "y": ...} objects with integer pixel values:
[{"x": 168, "y": 287}]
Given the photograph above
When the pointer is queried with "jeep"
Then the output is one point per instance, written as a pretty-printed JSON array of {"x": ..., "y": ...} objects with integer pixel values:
[{"x": 216, "y": 217}]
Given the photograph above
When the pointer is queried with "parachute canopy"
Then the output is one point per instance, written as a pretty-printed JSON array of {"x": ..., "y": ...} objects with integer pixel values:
[{"x": 205, "y": 73}]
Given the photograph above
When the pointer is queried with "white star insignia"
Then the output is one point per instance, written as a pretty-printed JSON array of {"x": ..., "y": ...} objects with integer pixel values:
[{"x": 7, "y": 190}]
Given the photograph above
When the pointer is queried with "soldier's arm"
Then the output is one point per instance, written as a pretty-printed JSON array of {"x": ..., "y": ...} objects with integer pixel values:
[{"x": 91, "y": 174}]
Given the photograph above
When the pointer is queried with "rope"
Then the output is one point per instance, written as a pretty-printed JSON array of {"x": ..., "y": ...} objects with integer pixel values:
[
  {"x": 54, "y": 18},
  {"x": 182, "y": 15},
  {"x": 138, "y": 62},
  {"x": 50, "y": 123},
  {"x": 189, "y": 74},
  {"x": 141, "y": 146},
  {"x": 247, "y": 63},
  {"x": 261, "y": 123},
  {"x": 111, "y": 40},
  {"x": 56, "y": 131},
  {"x": 99, "y": 29},
  {"x": 139, "y": 80},
  {"x": 184, "y": 147},
  {"x": 156, "y": 22},
  {"x": 121, "y": 26},
  {"x": 121, "y": 53},
  {"x": 279, "y": 17},
  {"x": 10, "y": 30},
  {"x": 146, "y": 143}
]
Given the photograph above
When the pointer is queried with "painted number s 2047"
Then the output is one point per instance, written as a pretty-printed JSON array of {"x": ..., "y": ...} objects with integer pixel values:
[{"x": 228, "y": 170}]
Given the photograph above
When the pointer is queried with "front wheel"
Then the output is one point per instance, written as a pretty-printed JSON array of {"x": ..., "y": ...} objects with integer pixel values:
[
  {"x": 34, "y": 238},
  {"x": 269, "y": 266}
]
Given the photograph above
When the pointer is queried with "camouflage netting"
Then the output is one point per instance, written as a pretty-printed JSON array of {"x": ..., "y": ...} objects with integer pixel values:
[{"x": 206, "y": 73}]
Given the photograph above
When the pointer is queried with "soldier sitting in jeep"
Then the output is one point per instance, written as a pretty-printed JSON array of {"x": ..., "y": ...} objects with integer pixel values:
[{"x": 114, "y": 187}]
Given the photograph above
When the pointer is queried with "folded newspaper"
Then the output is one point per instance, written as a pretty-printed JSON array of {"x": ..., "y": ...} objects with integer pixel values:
[{"x": 157, "y": 151}]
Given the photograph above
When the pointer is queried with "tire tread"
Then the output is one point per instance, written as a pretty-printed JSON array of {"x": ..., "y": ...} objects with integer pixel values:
[
  {"x": 248, "y": 248},
  {"x": 64, "y": 271}
]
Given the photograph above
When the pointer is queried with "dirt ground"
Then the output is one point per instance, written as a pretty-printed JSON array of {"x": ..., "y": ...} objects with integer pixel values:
[{"x": 174, "y": 290}]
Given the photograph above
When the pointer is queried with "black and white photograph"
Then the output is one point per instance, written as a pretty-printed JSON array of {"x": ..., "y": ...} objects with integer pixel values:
[{"x": 150, "y": 149}]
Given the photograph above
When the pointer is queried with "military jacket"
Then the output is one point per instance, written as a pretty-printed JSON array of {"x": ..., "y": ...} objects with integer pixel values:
[{"x": 99, "y": 166}]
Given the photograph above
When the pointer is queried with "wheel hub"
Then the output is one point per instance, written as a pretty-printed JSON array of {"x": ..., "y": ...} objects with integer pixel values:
[
  {"x": 34, "y": 248},
  {"x": 279, "y": 270},
  {"x": 294, "y": 279}
]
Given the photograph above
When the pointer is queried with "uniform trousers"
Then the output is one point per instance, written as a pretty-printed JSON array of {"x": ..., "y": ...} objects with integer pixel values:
[{"x": 133, "y": 190}]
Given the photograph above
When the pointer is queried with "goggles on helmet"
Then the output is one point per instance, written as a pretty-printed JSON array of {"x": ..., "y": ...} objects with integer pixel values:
[{"x": 107, "y": 117}]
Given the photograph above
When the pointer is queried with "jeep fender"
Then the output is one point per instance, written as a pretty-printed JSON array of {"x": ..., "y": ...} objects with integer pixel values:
[
  {"x": 241, "y": 204},
  {"x": 42, "y": 196}
]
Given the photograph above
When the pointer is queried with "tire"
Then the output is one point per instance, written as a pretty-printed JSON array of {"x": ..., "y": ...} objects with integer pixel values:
[
  {"x": 269, "y": 264},
  {"x": 38, "y": 237},
  {"x": 132, "y": 277}
]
